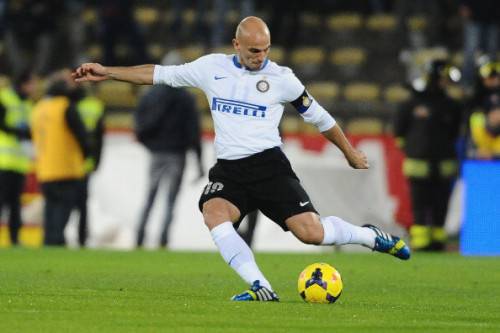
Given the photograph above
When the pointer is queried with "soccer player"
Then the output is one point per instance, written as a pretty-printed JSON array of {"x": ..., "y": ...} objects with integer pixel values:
[{"x": 246, "y": 92}]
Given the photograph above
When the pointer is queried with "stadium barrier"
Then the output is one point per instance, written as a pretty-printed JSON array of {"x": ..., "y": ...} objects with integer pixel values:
[{"x": 481, "y": 227}]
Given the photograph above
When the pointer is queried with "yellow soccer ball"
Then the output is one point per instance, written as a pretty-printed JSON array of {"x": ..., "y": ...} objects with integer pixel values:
[{"x": 320, "y": 283}]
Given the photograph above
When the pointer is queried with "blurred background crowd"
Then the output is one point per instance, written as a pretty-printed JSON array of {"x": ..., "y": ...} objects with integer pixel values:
[{"x": 425, "y": 72}]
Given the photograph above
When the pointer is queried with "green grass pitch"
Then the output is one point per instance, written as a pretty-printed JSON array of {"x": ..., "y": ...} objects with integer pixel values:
[{"x": 57, "y": 290}]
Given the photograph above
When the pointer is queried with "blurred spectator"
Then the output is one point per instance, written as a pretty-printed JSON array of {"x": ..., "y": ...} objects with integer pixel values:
[
  {"x": 487, "y": 88},
  {"x": 482, "y": 18},
  {"x": 60, "y": 150},
  {"x": 427, "y": 127},
  {"x": 30, "y": 29},
  {"x": 91, "y": 111},
  {"x": 485, "y": 129},
  {"x": 487, "y": 83},
  {"x": 167, "y": 124},
  {"x": 15, "y": 110},
  {"x": 117, "y": 24}
]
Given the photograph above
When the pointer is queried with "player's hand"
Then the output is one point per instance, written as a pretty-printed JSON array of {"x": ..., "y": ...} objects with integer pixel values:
[
  {"x": 90, "y": 72},
  {"x": 357, "y": 159}
]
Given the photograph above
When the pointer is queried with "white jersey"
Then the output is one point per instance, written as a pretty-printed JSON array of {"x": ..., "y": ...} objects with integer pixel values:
[{"x": 246, "y": 106}]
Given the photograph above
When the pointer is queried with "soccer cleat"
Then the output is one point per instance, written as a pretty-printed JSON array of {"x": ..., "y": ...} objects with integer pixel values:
[
  {"x": 387, "y": 243},
  {"x": 257, "y": 293}
]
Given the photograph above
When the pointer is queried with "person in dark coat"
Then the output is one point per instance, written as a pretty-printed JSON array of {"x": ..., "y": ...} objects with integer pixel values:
[
  {"x": 427, "y": 128},
  {"x": 167, "y": 124}
]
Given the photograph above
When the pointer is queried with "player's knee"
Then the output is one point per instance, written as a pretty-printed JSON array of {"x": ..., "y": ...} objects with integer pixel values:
[
  {"x": 212, "y": 215},
  {"x": 311, "y": 236},
  {"x": 307, "y": 228},
  {"x": 217, "y": 211}
]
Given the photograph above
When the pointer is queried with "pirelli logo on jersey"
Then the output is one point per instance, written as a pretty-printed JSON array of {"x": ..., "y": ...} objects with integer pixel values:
[{"x": 238, "y": 108}]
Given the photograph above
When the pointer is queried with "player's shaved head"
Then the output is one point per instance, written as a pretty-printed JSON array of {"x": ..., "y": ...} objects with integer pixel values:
[
  {"x": 252, "y": 42},
  {"x": 252, "y": 27}
]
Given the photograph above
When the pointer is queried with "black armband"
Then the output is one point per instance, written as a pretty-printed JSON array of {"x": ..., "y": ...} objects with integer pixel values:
[{"x": 303, "y": 102}]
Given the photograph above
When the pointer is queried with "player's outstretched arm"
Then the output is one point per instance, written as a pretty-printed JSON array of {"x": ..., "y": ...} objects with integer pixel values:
[
  {"x": 94, "y": 72},
  {"x": 356, "y": 158}
]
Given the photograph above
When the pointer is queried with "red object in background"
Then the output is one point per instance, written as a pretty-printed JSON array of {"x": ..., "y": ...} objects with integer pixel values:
[
  {"x": 30, "y": 184},
  {"x": 397, "y": 184}
]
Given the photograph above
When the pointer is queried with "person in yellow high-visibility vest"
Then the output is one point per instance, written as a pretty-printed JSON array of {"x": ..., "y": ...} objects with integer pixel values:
[
  {"x": 61, "y": 148},
  {"x": 15, "y": 162},
  {"x": 91, "y": 111},
  {"x": 485, "y": 129}
]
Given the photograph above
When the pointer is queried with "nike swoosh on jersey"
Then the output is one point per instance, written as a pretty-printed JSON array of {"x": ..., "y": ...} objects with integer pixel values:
[
  {"x": 302, "y": 204},
  {"x": 220, "y": 77}
]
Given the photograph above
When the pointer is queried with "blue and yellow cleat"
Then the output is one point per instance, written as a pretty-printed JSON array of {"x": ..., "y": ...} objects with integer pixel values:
[
  {"x": 387, "y": 243},
  {"x": 257, "y": 293}
]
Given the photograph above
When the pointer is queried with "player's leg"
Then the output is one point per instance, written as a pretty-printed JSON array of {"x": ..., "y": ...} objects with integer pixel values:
[
  {"x": 286, "y": 202},
  {"x": 223, "y": 202},
  {"x": 226, "y": 199},
  {"x": 219, "y": 215},
  {"x": 332, "y": 230}
]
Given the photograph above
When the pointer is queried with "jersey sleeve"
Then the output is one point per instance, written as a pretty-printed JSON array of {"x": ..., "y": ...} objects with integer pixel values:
[
  {"x": 292, "y": 87},
  {"x": 187, "y": 75},
  {"x": 305, "y": 104}
]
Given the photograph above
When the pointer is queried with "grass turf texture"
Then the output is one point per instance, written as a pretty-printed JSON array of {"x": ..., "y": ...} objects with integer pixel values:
[{"x": 53, "y": 290}]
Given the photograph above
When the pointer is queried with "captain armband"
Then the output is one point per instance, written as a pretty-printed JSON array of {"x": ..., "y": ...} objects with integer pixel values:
[
  {"x": 313, "y": 113},
  {"x": 303, "y": 102}
]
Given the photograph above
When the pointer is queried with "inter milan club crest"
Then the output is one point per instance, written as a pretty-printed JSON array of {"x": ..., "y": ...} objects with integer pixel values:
[
  {"x": 306, "y": 101},
  {"x": 262, "y": 86}
]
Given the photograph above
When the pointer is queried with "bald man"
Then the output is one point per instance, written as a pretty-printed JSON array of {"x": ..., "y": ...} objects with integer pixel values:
[{"x": 247, "y": 92}]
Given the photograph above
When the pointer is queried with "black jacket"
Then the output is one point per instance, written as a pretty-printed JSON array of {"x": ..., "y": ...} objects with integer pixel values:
[
  {"x": 166, "y": 120},
  {"x": 430, "y": 124}
]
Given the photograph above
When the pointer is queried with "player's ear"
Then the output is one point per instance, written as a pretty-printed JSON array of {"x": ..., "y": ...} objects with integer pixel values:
[{"x": 236, "y": 44}]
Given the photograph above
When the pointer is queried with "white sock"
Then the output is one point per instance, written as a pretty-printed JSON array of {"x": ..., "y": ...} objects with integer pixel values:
[
  {"x": 237, "y": 254},
  {"x": 340, "y": 232}
]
